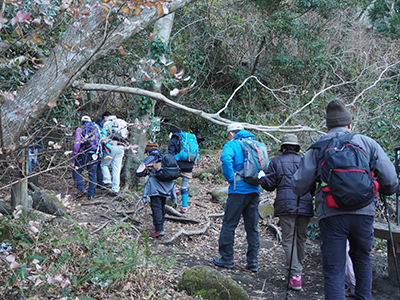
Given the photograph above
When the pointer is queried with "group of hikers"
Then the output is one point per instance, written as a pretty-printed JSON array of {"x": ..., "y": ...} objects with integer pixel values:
[
  {"x": 342, "y": 172},
  {"x": 97, "y": 146}
]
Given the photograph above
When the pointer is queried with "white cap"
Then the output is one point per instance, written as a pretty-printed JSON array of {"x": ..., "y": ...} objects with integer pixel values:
[
  {"x": 86, "y": 119},
  {"x": 234, "y": 127}
]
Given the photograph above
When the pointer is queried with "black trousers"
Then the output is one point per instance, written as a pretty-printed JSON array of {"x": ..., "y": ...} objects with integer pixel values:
[{"x": 158, "y": 208}]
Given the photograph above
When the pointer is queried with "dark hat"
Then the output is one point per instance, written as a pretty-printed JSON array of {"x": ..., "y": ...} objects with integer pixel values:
[
  {"x": 174, "y": 130},
  {"x": 105, "y": 114},
  {"x": 337, "y": 114},
  {"x": 290, "y": 139},
  {"x": 151, "y": 146}
]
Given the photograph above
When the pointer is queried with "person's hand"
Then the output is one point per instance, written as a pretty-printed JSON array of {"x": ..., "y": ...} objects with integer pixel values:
[{"x": 261, "y": 174}]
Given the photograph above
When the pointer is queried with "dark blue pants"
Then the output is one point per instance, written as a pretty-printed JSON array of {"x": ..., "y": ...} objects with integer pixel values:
[
  {"x": 236, "y": 206},
  {"x": 335, "y": 230},
  {"x": 158, "y": 208},
  {"x": 81, "y": 162}
]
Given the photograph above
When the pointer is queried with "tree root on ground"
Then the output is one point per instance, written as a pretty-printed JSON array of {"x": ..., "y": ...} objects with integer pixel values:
[
  {"x": 195, "y": 232},
  {"x": 183, "y": 220},
  {"x": 278, "y": 232}
]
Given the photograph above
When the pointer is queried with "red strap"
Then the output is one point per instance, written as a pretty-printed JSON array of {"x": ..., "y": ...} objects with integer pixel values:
[{"x": 259, "y": 156}]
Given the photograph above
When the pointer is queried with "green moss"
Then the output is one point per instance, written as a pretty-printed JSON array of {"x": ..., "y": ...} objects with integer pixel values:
[
  {"x": 211, "y": 284},
  {"x": 266, "y": 211},
  {"x": 207, "y": 152}
]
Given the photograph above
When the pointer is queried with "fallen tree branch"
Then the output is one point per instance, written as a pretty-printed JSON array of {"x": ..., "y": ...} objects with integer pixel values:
[
  {"x": 195, "y": 232},
  {"x": 101, "y": 226},
  {"x": 214, "y": 118},
  {"x": 171, "y": 211},
  {"x": 183, "y": 220},
  {"x": 277, "y": 231}
]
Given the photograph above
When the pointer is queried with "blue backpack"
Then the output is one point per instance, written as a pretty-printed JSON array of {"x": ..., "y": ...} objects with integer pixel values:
[
  {"x": 255, "y": 160},
  {"x": 189, "y": 148},
  {"x": 90, "y": 138}
]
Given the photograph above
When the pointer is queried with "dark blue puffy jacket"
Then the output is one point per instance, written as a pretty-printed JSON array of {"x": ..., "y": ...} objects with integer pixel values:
[{"x": 279, "y": 176}]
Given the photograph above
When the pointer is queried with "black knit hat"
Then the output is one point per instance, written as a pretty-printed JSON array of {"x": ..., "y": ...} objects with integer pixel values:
[
  {"x": 174, "y": 130},
  {"x": 337, "y": 114},
  {"x": 151, "y": 146}
]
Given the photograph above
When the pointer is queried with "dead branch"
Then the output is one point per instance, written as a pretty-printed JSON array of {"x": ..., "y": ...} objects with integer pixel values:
[
  {"x": 171, "y": 211},
  {"x": 101, "y": 226},
  {"x": 183, "y": 220},
  {"x": 214, "y": 118},
  {"x": 195, "y": 232},
  {"x": 277, "y": 231}
]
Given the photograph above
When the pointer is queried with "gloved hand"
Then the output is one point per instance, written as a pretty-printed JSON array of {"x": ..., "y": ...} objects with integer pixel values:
[{"x": 261, "y": 174}]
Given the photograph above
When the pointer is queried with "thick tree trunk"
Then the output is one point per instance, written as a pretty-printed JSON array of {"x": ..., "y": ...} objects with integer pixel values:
[
  {"x": 78, "y": 48},
  {"x": 162, "y": 31}
]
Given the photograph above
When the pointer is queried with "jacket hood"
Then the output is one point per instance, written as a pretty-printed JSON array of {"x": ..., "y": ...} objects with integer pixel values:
[
  {"x": 243, "y": 134},
  {"x": 177, "y": 134},
  {"x": 111, "y": 118}
]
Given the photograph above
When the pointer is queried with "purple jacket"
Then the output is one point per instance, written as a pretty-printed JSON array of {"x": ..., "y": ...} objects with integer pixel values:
[{"x": 77, "y": 143}]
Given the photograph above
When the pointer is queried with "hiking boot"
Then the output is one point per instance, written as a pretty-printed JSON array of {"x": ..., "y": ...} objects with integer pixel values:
[
  {"x": 80, "y": 194},
  {"x": 183, "y": 210},
  {"x": 157, "y": 234},
  {"x": 295, "y": 283},
  {"x": 252, "y": 266},
  {"x": 105, "y": 186},
  {"x": 221, "y": 263},
  {"x": 90, "y": 198}
]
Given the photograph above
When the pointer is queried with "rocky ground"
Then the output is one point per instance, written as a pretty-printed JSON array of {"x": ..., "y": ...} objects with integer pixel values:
[{"x": 268, "y": 283}]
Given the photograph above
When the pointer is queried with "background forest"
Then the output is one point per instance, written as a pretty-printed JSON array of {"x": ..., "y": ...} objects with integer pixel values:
[{"x": 270, "y": 63}]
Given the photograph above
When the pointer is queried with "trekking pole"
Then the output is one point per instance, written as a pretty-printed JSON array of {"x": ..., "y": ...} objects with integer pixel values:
[
  {"x": 383, "y": 198},
  {"x": 397, "y": 162},
  {"x": 293, "y": 245}
]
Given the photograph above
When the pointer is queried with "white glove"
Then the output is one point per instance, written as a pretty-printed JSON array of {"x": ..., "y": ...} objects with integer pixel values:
[{"x": 261, "y": 174}]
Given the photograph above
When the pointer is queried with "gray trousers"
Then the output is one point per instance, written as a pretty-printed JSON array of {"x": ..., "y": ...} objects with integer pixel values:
[{"x": 287, "y": 224}]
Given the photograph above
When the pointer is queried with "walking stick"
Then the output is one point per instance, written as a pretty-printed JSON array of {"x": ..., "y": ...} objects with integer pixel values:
[
  {"x": 293, "y": 245},
  {"x": 397, "y": 162},
  {"x": 383, "y": 198}
]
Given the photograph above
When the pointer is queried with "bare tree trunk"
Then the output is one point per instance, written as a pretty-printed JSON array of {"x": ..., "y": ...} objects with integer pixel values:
[
  {"x": 162, "y": 31},
  {"x": 78, "y": 48}
]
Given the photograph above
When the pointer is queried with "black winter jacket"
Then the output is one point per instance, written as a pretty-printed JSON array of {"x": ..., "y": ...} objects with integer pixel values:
[
  {"x": 174, "y": 147},
  {"x": 279, "y": 176}
]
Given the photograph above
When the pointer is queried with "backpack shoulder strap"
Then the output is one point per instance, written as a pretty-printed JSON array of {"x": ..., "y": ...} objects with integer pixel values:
[{"x": 321, "y": 144}]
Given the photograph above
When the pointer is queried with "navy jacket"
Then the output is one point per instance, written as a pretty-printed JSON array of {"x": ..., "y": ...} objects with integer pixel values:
[{"x": 279, "y": 176}]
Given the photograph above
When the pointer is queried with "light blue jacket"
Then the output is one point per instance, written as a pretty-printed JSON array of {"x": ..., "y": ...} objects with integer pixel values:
[{"x": 232, "y": 161}]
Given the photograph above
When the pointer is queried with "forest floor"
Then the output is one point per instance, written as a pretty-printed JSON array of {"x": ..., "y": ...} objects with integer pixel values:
[{"x": 188, "y": 251}]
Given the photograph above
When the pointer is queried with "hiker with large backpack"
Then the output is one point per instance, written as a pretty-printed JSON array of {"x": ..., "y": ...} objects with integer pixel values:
[
  {"x": 114, "y": 131},
  {"x": 184, "y": 147},
  {"x": 279, "y": 176},
  {"x": 243, "y": 198},
  {"x": 345, "y": 166},
  {"x": 86, "y": 153},
  {"x": 162, "y": 169},
  {"x": 106, "y": 148}
]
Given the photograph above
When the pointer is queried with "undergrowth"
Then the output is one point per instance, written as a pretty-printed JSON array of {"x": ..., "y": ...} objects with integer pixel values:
[{"x": 38, "y": 260}]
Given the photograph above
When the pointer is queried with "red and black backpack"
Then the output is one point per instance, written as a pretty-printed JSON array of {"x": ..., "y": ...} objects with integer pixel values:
[{"x": 347, "y": 178}]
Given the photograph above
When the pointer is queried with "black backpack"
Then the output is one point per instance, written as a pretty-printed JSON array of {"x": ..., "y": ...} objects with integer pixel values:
[
  {"x": 346, "y": 173},
  {"x": 166, "y": 167}
]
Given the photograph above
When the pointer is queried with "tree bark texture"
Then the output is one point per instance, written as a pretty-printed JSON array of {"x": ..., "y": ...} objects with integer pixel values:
[{"x": 78, "y": 48}]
